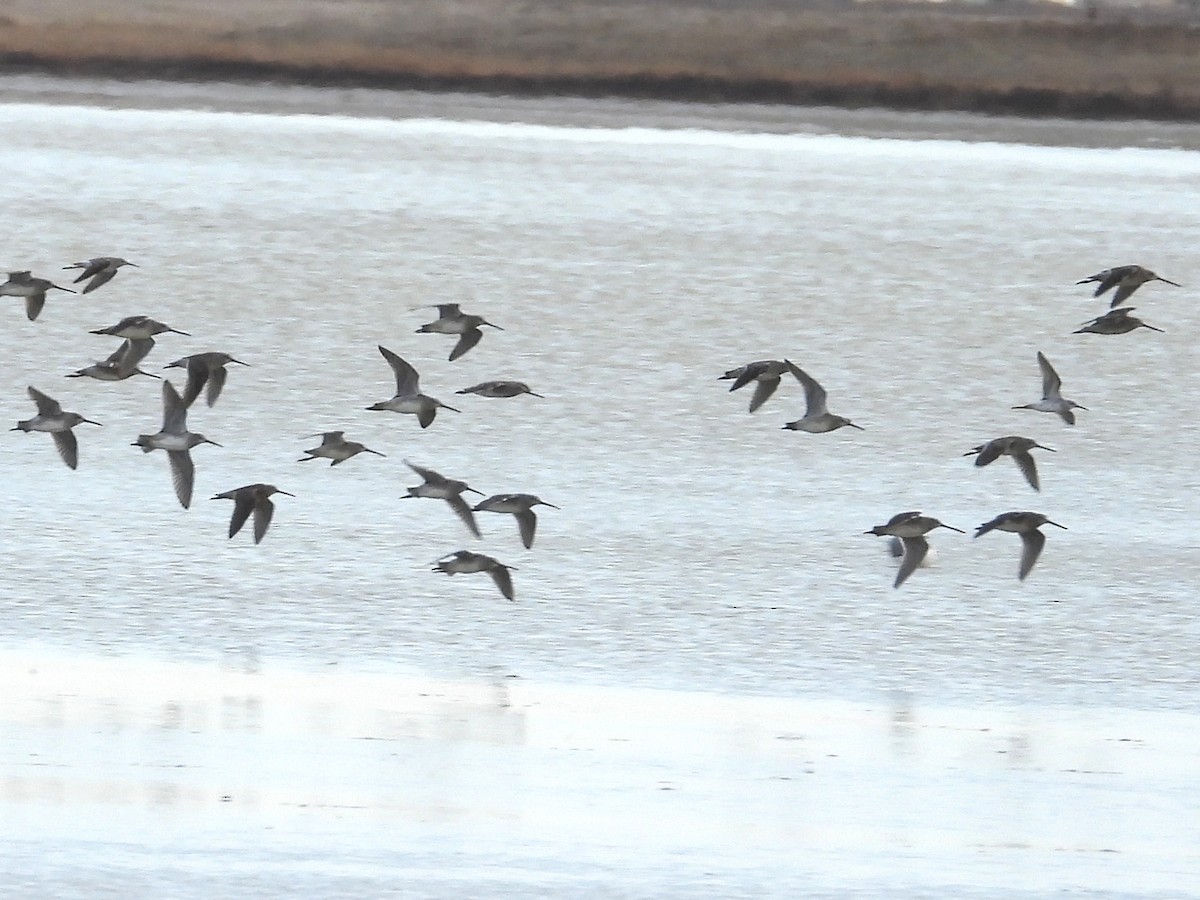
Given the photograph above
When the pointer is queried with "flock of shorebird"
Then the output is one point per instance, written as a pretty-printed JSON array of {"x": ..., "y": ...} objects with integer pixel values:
[
  {"x": 907, "y": 530},
  {"x": 207, "y": 373}
]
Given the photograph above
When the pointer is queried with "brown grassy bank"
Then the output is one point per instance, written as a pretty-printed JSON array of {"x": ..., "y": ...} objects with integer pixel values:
[{"x": 1013, "y": 57}]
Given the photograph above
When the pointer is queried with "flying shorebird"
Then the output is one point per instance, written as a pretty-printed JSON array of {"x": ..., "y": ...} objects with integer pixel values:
[
  {"x": 51, "y": 419},
  {"x": 252, "y": 498},
  {"x": 138, "y": 328},
  {"x": 121, "y": 363},
  {"x": 911, "y": 528},
  {"x": 100, "y": 269},
  {"x": 451, "y": 320},
  {"x": 1115, "y": 321},
  {"x": 177, "y": 441},
  {"x": 1052, "y": 399},
  {"x": 1015, "y": 446},
  {"x": 335, "y": 448},
  {"x": 817, "y": 417},
  {"x": 1126, "y": 279},
  {"x": 408, "y": 397},
  {"x": 464, "y": 561},
  {"x": 23, "y": 284},
  {"x": 521, "y": 506},
  {"x": 766, "y": 374},
  {"x": 204, "y": 368},
  {"x": 1026, "y": 524},
  {"x": 499, "y": 389},
  {"x": 439, "y": 487}
]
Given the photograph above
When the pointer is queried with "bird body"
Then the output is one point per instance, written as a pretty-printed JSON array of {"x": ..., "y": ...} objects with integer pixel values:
[
  {"x": 521, "y": 506},
  {"x": 452, "y": 320},
  {"x": 100, "y": 269},
  {"x": 1115, "y": 321},
  {"x": 766, "y": 373},
  {"x": 465, "y": 562},
  {"x": 138, "y": 328},
  {"x": 1052, "y": 399},
  {"x": 817, "y": 417},
  {"x": 910, "y": 528},
  {"x": 33, "y": 290},
  {"x": 252, "y": 498},
  {"x": 439, "y": 487},
  {"x": 1026, "y": 524},
  {"x": 204, "y": 369},
  {"x": 52, "y": 420},
  {"x": 408, "y": 397},
  {"x": 174, "y": 438},
  {"x": 1126, "y": 279},
  {"x": 1015, "y": 446},
  {"x": 121, "y": 363},
  {"x": 335, "y": 448},
  {"x": 499, "y": 389}
]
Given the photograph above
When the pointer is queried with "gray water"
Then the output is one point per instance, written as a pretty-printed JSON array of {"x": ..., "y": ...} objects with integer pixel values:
[{"x": 697, "y": 546}]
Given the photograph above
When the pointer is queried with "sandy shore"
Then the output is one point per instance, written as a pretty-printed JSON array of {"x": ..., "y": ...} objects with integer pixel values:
[
  {"x": 212, "y": 777},
  {"x": 1023, "y": 58}
]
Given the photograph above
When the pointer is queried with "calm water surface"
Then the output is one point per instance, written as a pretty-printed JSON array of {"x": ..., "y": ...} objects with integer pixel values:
[{"x": 698, "y": 546}]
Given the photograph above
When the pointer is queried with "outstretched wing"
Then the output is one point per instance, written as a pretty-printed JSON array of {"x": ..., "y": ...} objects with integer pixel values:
[
  {"x": 463, "y": 511},
  {"x": 1028, "y": 467},
  {"x": 1032, "y": 542},
  {"x": 46, "y": 406},
  {"x": 503, "y": 579},
  {"x": 814, "y": 394},
  {"x": 763, "y": 391},
  {"x": 466, "y": 341},
  {"x": 264, "y": 509},
  {"x": 1051, "y": 383},
  {"x": 406, "y": 376},
  {"x": 67, "y": 446},
  {"x": 527, "y": 523},
  {"x": 915, "y": 549},
  {"x": 183, "y": 474}
]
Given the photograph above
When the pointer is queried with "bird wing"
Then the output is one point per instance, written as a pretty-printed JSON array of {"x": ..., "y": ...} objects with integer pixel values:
[
  {"x": 430, "y": 476},
  {"x": 102, "y": 277},
  {"x": 814, "y": 394},
  {"x": 763, "y": 391},
  {"x": 989, "y": 453},
  {"x": 743, "y": 375},
  {"x": 264, "y": 509},
  {"x": 466, "y": 341},
  {"x": 448, "y": 310},
  {"x": 527, "y": 523},
  {"x": 174, "y": 410},
  {"x": 216, "y": 382},
  {"x": 46, "y": 406},
  {"x": 406, "y": 376},
  {"x": 198, "y": 372},
  {"x": 243, "y": 505},
  {"x": 183, "y": 474},
  {"x": 1024, "y": 461},
  {"x": 1032, "y": 542},
  {"x": 503, "y": 579},
  {"x": 427, "y": 414},
  {"x": 67, "y": 446},
  {"x": 331, "y": 437},
  {"x": 989, "y": 526},
  {"x": 1051, "y": 383},
  {"x": 1123, "y": 292},
  {"x": 34, "y": 304},
  {"x": 1067, "y": 415},
  {"x": 90, "y": 267},
  {"x": 463, "y": 510},
  {"x": 902, "y": 517},
  {"x": 915, "y": 549},
  {"x": 132, "y": 352},
  {"x": 1109, "y": 278}
]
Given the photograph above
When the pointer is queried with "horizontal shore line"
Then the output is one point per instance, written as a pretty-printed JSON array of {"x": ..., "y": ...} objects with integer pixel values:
[{"x": 1164, "y": 105}]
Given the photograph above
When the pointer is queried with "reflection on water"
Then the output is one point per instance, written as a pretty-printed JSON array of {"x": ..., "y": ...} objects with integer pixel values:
[{"x": 697, "y": 546}]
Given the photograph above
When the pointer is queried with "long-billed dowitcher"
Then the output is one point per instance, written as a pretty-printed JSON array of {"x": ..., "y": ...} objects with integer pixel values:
[
  {"x": 1115, "y": 321},
  {"x": 1015, "y": 446},
  {"x": 1126, "y": 279},
  {"x": 136, "y": 328},
  {"x": 177, "y": 441},
  {"x": 204, "y": 369},
  {"x": 910, "y": 528},
  {"x": 817, "y": 417},
  {"x": 251, "y": 498},
  {"x": 439, "y": 487},
  {"x": 335, "y": 448},
  {"x": 521, "y": 506},
  {"x": 51, "y": 419},
  {"x": 766, "y": 374},
  {"x": 1052, "y": 399},
  {"x": 23, "y": 284},
  {"x": 408, "y": 397},
  {"x": 1026, "y": 524},
  {"x": 452, "y": 320},
  {"x": 464, "y": 562},
  {"x": 100, "y": 269},
  {"x": 499, "y": 389},
  {"x": 121, "y": 363}
]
